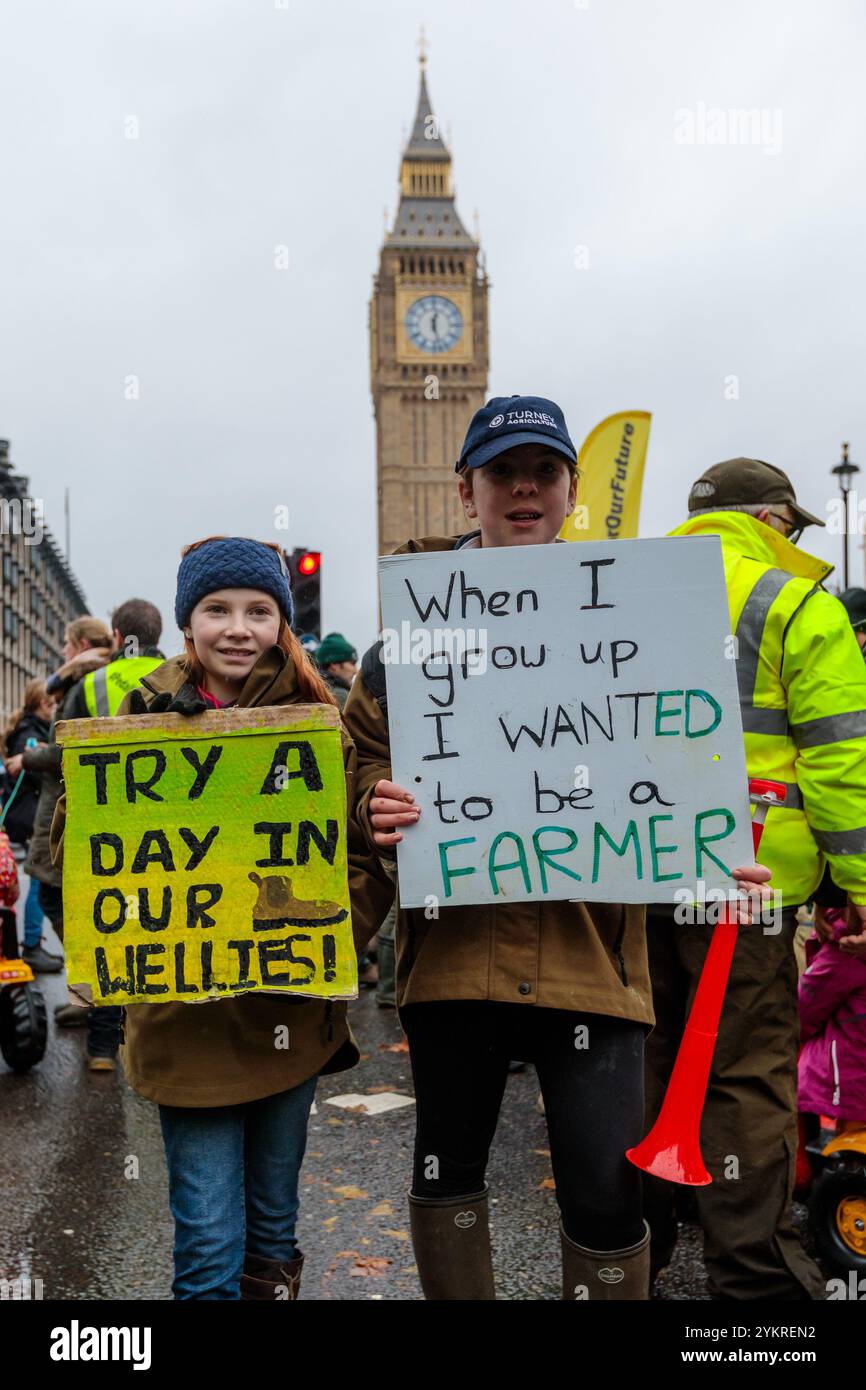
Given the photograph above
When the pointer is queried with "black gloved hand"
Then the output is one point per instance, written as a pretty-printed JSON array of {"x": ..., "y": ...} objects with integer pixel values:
[
  {"x": 166, "y": 703},
  {"x": 138, "y": 704},
  {"x": 187, "y": 703}
]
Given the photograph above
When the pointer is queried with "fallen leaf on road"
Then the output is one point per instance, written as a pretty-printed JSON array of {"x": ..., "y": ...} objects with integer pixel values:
[
  {"x": 379, "y": 1090},
  {"x": 329, "y": 1222},
  {"x": 335, "y": 1122},
  {"x": 545, "y": 1153},
  {"x": 383, "y": 1209},
  {"x": 333, "y": 1266},
  {"x": 548, "y": 1183},
  {"x": 396, "y": 1235},
  {"x": 370, "y": 1266},
  {"x": 401, "y": 1046},
  {"x": 350, "y": 1192}
]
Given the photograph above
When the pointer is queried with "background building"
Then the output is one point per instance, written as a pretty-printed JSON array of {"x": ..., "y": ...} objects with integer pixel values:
[
  {"x": 40, "y": 595},
  {"x": 428, "y": 343}
]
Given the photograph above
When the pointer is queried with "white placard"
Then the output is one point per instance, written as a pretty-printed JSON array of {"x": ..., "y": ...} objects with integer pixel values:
[{"x": 580, "y": 737}]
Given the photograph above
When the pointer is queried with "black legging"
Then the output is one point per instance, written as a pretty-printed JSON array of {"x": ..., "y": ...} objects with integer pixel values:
[{"x": 593, "y": 1099}]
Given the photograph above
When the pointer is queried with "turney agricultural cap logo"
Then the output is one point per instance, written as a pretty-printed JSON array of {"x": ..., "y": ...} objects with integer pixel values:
[{"x": 523, "y": 417}]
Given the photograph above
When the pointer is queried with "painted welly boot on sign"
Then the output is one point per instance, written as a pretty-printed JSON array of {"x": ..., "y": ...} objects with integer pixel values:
[{"x": 277, "y": 905}]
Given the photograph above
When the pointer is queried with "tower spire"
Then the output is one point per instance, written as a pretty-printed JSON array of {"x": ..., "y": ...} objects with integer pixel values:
[
  {"x": 425, "y": 142},
  {"x": 426, "y": 213}
]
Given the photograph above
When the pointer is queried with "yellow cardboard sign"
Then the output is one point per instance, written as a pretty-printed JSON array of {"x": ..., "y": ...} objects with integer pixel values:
[
  {"x": 206, "y": 857},
  {"x": 611, "y": 463}
]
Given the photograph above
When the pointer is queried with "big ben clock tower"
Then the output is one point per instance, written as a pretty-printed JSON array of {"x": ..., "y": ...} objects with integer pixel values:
[{"x": 428, "y": 343}]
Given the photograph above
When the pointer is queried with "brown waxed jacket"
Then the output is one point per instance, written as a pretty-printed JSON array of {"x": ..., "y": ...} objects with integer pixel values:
[
  {"x": 223, "y": 1052},
  {"x": 559, "y": 955}
]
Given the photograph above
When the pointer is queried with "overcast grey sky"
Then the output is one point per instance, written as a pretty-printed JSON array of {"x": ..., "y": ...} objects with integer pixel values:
[{"x": 268, "y": 123}]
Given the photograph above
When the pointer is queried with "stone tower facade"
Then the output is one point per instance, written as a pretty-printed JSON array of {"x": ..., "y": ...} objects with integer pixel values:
[
  {"x": 40, "y": 593},
  {"x": 428, "y": 343}
]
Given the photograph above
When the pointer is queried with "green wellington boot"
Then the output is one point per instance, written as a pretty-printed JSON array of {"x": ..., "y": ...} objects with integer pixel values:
[
  {"x": 605, "y": 1274},
  {"x": 451, "y": 1239}
]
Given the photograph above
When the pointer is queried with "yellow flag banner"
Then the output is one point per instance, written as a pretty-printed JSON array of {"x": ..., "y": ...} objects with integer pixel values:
[
  {"x": 205, "y": 857},
  {"x": 611, "y": 463}
]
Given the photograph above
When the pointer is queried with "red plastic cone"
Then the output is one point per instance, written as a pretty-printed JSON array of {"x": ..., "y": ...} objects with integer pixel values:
[{"x": 672, "y": 1149}]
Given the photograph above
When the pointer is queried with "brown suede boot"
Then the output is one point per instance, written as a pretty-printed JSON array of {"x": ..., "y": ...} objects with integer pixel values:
[
  {"x": 272, "y": 1280},
  {"x": 451, "y": 1239},
  {"x": 605, "y": 1274}
]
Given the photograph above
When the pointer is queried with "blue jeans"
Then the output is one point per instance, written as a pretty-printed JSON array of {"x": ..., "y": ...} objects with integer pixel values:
[
  {"x": 233, "y": 1187},
  {"x": 33, "y": 915}
]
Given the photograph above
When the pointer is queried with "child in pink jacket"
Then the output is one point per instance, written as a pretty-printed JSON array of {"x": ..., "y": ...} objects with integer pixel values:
[{"x": 832, "y": 1070}]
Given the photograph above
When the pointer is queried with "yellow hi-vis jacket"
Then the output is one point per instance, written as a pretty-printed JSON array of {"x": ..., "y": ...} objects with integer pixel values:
[
  {"x": 802, "y": 683},
  {"x": 105, "y": 689}
]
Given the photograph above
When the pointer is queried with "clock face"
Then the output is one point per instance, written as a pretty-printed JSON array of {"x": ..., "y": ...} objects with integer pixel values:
[{"x": 434, "y": 324}]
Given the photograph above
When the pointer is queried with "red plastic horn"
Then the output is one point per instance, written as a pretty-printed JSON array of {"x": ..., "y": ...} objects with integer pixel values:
[{"x": 672, "y": 1149}]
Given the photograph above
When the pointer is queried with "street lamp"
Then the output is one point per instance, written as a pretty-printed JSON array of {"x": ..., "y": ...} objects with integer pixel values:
[{"x": 845, "y": 471}]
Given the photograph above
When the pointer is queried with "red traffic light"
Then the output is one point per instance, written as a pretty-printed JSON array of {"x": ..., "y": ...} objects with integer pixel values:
[{"x": 309, "y": 563}]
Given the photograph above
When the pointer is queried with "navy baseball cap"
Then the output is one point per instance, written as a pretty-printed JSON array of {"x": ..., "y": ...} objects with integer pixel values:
[{"x": 506, "y": 422}]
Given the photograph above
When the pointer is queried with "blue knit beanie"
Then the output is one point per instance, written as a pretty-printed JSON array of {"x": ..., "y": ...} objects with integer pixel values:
[{"x": 233, "y": 563}]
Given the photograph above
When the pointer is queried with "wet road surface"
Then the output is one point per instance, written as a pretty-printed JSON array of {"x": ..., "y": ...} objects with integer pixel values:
[{"x": 84, "y": 1184}]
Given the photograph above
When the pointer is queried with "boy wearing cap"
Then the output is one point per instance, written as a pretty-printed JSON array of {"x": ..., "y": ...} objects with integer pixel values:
[
  {"x": 480, "y": 985},
  {"x": 802, "y": 691}
]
